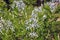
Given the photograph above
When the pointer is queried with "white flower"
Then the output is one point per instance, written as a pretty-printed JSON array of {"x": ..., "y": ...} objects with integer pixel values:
[
  {"x": 33, "y": 34},
  {"x": 19, "y": 4},
  {"x": 1, "y": 26},
  {"x": 6, "y": 24},
  {"x": 52, "y": 7},
  {"x": 1, "y": 20},
  {"x": 27, "y": 28},
  {"x": 34, "y": 15},
  {"x": 9, "y": 23},
  {"x": 32, "y": 25},
  {"x": 44, "y": 16},
  {"x": 36, "y": 9},
  {"x": 52, "y": 10},
  {"x": 12, "y": 28},
  {"x": 39, "y": 9},
  {"x": 32, "y": 22},
  {"x": 26, "y": 22},
  {"x": 33, "y": 19}
]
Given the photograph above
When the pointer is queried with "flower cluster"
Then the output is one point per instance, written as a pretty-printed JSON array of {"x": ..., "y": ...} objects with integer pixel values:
[
  {"x": 33, "y": 34},
  {"x": 19, "y": 4},
  {"x": 1, "y": 24},
  {"x": 38, "y": 9},
  {"x": 9, "y": 25},
  {"x": 5, "y": 24},
  {"x": 52, "y": 6},
  {"x": 32, "y": 22}
]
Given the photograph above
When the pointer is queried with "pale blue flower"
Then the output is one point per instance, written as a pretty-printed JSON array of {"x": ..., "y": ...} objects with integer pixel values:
[
  {"x": 19, "y": 4},
  {"x": 33, "y": 34}
]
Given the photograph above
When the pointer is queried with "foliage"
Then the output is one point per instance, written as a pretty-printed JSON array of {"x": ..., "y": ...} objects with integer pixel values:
[{"x": 32, "y": 23}]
